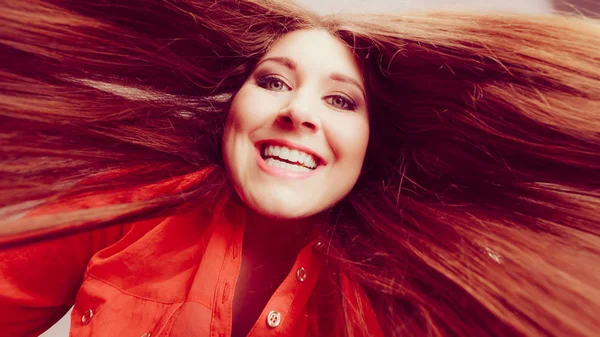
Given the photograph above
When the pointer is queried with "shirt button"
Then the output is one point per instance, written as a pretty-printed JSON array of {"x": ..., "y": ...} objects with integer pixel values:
[
  {"x": 301, "y": 274},
  {"x": 273, "y": 319},
  {"x": 318, "y": 246},
  {"x": 146, "y": 334},
  {"x": 87, "y": 316}
]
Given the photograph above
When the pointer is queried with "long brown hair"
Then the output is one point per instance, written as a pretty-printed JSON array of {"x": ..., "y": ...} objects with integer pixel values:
[{"x": 477, "y": 211}]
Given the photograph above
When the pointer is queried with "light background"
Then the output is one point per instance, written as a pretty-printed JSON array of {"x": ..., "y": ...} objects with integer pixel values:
[
  {"x": 61, "y": 329},
  {"x": 334, "y": 6}
]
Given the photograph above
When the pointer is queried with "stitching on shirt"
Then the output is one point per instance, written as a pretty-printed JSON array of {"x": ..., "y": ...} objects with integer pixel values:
[
  {"x": 142, "y": 297},
  {"x": 78, "y": 295}
]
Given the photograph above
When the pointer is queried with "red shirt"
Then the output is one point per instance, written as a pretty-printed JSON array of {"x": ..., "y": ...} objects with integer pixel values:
[{"x": 171, "y": 276}]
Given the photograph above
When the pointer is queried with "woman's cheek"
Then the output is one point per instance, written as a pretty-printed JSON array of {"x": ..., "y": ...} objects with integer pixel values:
[
  {"x": 349, "y": 137},
  {"x": 247, "y": 108}
]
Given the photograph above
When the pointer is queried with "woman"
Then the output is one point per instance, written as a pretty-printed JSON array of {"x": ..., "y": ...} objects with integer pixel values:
[{"x": 247, "y": 168}]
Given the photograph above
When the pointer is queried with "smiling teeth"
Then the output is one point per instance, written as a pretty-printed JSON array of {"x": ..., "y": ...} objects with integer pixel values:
[
  {"x": 285, "y": 165},
  {"x": 307, "y": 160}
]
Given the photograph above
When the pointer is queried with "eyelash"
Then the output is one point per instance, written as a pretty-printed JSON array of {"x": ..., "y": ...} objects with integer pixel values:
[
  {"x": 348, "y": 103},
  {"x": 265, "y": 80}
]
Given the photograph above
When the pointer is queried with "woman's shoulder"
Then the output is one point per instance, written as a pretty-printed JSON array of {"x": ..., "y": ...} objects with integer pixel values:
[{"x": 61, "y": 260}]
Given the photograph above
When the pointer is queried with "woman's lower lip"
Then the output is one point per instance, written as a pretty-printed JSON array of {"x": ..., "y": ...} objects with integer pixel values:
[{"x": 280, "y": 172}]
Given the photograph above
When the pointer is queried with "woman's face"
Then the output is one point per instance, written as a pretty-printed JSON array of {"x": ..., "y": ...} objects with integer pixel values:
[{"x": 298, "y": 129}]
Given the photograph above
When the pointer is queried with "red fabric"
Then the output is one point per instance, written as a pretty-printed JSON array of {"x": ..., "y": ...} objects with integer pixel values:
[{"x": 171, "y": 276}]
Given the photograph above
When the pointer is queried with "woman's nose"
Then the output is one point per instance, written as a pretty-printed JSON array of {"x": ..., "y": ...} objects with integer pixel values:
[{"x": 299, "y": 114}]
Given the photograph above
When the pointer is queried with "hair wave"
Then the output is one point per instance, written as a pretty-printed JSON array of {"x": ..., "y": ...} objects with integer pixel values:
[{"x": 477, "y": 210}]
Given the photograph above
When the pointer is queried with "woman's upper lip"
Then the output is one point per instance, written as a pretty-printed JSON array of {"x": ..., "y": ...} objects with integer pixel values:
[{"x": 291, "y": 145}]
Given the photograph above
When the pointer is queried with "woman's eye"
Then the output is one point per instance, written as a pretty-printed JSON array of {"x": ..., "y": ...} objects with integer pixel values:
[
  {"x": 340, "y": 102},
  {"x": 272, "y": 83}
]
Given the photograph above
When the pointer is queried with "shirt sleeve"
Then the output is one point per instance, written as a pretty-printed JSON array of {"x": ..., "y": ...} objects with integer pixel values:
[{"x": 39, "y": 281}]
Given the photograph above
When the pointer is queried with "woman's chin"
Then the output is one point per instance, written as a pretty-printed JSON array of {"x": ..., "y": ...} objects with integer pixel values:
[
  {"x": 282, "y": 210},
  {"x": 283, "y": 213},
  {"x": 281, "y": 204}
]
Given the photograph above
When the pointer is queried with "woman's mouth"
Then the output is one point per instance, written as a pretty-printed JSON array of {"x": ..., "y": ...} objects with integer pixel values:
[
  {"x": 287, "y": 158},
  {"x": 279, "y": 159}
]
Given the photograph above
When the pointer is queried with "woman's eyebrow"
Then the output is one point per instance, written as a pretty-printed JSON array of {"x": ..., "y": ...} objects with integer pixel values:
[
  {"x": 347, "y": 79},
  {"x": 285, "y": 61}
]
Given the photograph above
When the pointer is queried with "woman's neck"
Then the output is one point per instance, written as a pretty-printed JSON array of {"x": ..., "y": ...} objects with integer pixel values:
[{"x": 280, "y": 239}]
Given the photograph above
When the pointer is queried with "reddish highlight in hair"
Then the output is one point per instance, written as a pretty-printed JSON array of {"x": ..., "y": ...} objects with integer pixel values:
[{"x": 477, "y": 210}]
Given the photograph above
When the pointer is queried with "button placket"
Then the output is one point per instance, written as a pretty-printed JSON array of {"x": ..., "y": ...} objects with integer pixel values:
[{"x": 288, "y": 301}]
